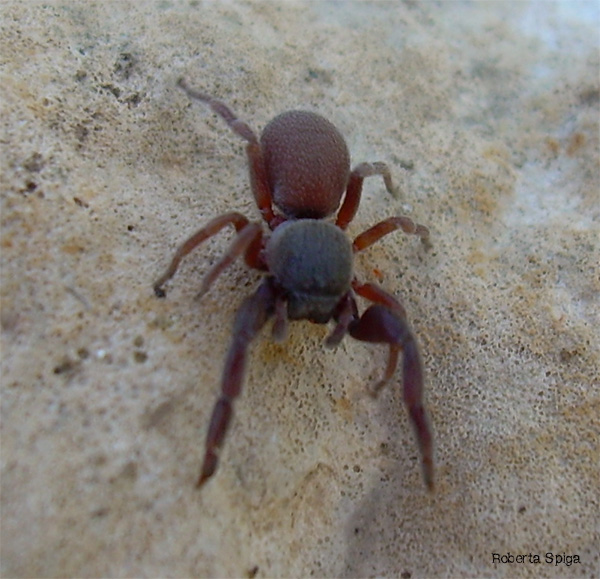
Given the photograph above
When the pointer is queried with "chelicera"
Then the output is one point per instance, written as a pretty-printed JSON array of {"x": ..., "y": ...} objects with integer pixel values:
[{"x": 301, "y": 165}]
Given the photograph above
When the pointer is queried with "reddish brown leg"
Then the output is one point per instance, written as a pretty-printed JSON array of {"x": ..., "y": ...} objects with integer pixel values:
[
  {"x": 374, "y": 293},
  {"x": 210, "y": 229},
  {"x": 260, "y": 186},
  {"x": 250, "y": 318},
  {"x": 381, "y": 325},
  {"x": 354, "y": 189},
  {"x": 258, "y": 175},
  {"x": 245, "y": 239},
  {"x": 375, "y": 233},
  {"x": 253, "y": 256}
]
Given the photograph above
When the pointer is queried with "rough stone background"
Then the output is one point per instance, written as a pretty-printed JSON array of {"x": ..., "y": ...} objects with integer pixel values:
[{"x": 488, "y": 116}]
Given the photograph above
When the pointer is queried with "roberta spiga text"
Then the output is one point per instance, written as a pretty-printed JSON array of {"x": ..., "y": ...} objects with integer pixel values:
[{"x": 534, "y": 559}]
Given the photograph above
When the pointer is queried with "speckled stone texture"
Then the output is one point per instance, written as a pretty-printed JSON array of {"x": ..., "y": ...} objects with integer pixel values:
[{"x": 487, "y": 114}]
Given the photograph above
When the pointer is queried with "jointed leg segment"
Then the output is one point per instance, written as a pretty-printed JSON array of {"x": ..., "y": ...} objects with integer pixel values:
[
  {"x": 381, "y": 325},
  {"x": 220, "y": 108},
  {"x": 258, "y": 175},
  {"x": 245, "y": 241},
  {"x": 251, "y": 317},
  {"x": 375, "y": 233},
  {"x": 354, "y": 189},
  {"x": 378, "y": 295}
]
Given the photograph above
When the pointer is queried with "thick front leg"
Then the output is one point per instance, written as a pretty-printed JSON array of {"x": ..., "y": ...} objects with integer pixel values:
[
  {"x": 380, "y": 325},
  {"x": 258, "y": 175},
  {"x": 250, "y": 318}
]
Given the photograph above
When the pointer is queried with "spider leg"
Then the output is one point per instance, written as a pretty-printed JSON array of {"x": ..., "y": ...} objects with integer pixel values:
[
  {"x": 211, "y": 228},
  {"x": 258, "y": 173},
  {"x": 374, "y": 293},
  {"x": 245, "y": 241},
  {"x": 346, "y": 313},
  {"x": 221, "y": 109},
  {"x": 380, "y": 324},
  {"x": 375, "y": 233},
  {"x": 354, "y": 189},
  {"x": 250, "y": 318},
  {"x": 248, "y": 240}
]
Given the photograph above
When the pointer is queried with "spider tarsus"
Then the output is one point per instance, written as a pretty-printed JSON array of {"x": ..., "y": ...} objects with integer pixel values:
[
  {"x": 428, "y": 474},
  {"x": 374, "y": 391},
  {"x": 208, "y": 468},
  {"x": 200, "y": 295}
]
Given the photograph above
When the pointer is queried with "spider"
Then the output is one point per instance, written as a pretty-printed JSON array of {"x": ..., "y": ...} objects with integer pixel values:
[{"x": 301, "y": 165}]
